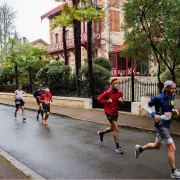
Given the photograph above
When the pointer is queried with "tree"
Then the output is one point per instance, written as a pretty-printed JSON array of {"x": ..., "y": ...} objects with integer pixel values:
[
  {"x": 7, "y": 27},
  {"x": 152, "y": 31},
  {"x": 32, "y": 59},
  {"x": 77, "y": 38},
  {"x": 6, "y": 75},
  {"x": 89, "y": 14},
  {"x": 28, "y": 59}
]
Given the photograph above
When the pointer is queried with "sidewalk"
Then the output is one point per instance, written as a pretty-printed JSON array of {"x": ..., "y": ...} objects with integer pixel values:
[
  {"x": 125, "y": 120},
  {"x": 8, "y": 171}
]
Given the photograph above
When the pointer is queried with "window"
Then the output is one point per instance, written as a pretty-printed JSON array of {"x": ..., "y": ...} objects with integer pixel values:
[{"x": 56, "y": 38}]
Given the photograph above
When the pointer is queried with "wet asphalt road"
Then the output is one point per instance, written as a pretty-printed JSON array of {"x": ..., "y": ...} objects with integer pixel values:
[{"x": 70, "y": 149}]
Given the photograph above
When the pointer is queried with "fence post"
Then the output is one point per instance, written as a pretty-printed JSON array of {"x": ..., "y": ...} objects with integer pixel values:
[{"x": 132, "y": 85}]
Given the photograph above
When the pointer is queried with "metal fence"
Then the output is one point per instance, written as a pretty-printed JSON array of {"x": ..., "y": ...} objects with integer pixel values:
[
  {"x": 130, "y": 89},
  {"x": 137, "y": 89}
]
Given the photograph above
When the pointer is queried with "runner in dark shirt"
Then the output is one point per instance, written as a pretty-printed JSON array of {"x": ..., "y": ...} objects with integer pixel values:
[
  {"x": 37, "y": 95},
  {"x": 164, "y": 108}
]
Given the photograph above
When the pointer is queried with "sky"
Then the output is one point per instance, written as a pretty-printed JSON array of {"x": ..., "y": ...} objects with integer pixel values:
[{"x": 28, "y": 22}]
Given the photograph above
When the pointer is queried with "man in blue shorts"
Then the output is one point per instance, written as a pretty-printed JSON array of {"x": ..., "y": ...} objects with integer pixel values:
[{"x": 164, "y": 109}]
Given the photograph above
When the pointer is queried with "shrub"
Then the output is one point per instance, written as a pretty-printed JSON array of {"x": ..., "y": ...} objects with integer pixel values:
[
  {"x": 101, "y": 78},
  {"x": 7, "y": 75},
  {"x": 54, "y": 73},
  {"x": 58, "y": 74},
  {"x": 103, "y": 62}
]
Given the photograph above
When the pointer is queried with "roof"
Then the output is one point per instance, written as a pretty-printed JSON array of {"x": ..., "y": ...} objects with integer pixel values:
[
  {"x": 53, "y": 11},
  {"x": 40, "y": 40},
  {"x": 118, "y": 49}
]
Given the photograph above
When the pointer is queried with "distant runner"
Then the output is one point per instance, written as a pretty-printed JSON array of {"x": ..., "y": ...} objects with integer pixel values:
[
  {"x": 19, "y": 102},
  {"x": 46, "y": 99},
  {"x": 37, "y": 95}
]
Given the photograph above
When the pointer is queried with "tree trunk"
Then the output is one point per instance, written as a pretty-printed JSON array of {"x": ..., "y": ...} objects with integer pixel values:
[
  {"x": 65, "y": 46},
  {"x": 173, "y": 75},
  {"x": 160, "y": 84},
  {"x": 89, "y": 54},
  {"x": 77, "y": 46},
  {"x": 16, "y": 73}
]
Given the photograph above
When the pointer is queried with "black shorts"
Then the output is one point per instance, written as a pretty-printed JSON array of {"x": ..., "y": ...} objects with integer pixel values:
[
  {"x": 46, "y": 109},
  {"x": 112, "y": 117},
  {"x": 19, "y": 103}
]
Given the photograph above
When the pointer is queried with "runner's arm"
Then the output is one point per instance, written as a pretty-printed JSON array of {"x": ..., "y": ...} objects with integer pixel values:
[
  {"x": 35, "y": 94},
  {"x": 121, "y": 99},
  {"x": 24, "y": 93},
  {"x": 41, "y": 99},
  {"x": 14, "y": 94},
  {"x": 148, "y": 106},
  {"x": 103, "y": 98}
]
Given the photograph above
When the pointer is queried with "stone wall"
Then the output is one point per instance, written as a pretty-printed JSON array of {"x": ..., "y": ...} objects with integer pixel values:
[{"x": 82, "y": 103}]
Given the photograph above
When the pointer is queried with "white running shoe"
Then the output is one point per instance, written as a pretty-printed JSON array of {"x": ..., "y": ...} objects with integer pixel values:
[
  {"x": 137, "y": 152},
  {"x": 176, "y": 174},
  {"x": 119, "y": 150}
]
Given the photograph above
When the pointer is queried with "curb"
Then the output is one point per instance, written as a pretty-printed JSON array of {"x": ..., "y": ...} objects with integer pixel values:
[{"x": 20, "y": 166}]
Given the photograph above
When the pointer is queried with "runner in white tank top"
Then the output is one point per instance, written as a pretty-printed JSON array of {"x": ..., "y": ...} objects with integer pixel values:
[{"x": 18, "y": 96}]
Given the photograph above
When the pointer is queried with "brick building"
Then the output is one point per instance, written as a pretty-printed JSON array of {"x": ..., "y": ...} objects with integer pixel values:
[{"x": 108, "y": 38}]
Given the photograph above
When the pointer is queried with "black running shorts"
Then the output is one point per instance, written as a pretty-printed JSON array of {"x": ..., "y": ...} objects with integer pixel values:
[
  {"x": 112, "y": 117},
  {"x": 19, "y": 103},
  {"x": 46, "y": 109}
]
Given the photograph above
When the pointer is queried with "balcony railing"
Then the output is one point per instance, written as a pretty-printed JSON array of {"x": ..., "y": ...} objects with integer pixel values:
[{"x": 70, "y": 43}]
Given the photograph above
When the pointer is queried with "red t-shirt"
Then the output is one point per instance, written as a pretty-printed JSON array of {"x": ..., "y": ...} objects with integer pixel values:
[{"x": 46, "y": 98}]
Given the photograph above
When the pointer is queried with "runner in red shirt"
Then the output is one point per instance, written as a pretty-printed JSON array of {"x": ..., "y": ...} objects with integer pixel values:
[
  {"x": 46, "y": 98},
  {"x": 111, "y": 99}
]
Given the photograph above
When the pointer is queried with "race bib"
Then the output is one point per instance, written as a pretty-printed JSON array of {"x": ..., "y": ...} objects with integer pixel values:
[
  {"x": 47, "y": 102},
  {"x": 167, "y": 116},
  {"x": 17, "y": 102}
]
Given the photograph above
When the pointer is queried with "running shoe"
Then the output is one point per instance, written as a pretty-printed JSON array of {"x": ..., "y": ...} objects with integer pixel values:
[
  {"x": 45, "y": 122},
  {"x": 119, "y": 150},
  {"x": 176, "y": 174},
  {"x": 137, "y": 152},
  {"x": 100, "y": 136}
]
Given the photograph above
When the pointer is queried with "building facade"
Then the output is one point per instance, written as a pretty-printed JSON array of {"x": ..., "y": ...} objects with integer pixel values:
[
  {"x": 40, "y": 43},
  {"x": 108, "y": 39}
]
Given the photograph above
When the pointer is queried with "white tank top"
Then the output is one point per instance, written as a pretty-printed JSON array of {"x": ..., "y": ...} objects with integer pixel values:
[{"x": 19, "y": 94}]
